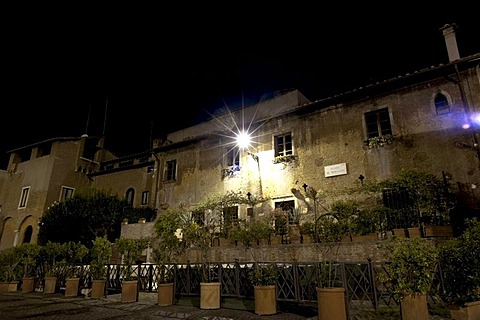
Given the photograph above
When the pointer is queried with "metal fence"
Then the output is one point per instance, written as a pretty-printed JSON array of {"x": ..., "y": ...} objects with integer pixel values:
[{"x": 296, "y": 282}]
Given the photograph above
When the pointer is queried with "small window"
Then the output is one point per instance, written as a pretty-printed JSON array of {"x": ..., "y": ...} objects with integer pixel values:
[
  {"x": 145, "y": 197},
  {"x": 233, "y": 157},
  {"x": 171, "y": 170},
  {"x": 230, "y": 217},
  {"x": 24, "y": 197},
  {"x": 441, "y": 104},
  {"x": 130, "y": 196},
  {"x": 378, "y": 123},
  {"x": 66, "y": 193},
  {"x": 283, "y": 145}
]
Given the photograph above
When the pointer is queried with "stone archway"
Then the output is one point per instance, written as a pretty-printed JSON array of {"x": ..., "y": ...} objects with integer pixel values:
[{"x": 28, "y": 230}]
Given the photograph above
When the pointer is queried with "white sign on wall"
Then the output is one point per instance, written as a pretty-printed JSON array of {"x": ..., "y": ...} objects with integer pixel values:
[{"x": 335, "y": 170}]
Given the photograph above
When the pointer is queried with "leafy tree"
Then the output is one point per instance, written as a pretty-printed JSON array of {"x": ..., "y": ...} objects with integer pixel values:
[{"x": 87, "y": 215}]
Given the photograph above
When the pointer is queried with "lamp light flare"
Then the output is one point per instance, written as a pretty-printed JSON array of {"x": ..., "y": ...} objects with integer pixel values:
[
  {"x": 476, "y": 118},
  {"x": 243, "y": 140}
]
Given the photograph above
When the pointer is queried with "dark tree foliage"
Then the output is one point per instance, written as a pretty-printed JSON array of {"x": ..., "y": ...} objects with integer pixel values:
[{"x": 87, "y": 215}]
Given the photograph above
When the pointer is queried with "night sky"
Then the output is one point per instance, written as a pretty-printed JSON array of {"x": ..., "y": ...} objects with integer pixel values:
[{"x": 156, "y": 69}]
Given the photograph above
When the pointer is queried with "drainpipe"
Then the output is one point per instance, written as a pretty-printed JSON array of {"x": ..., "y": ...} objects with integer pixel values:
[
  {"x": 157, "y": 173},
  {"x": 471, "y": 124},
  {"x": 453, "y": 56}
]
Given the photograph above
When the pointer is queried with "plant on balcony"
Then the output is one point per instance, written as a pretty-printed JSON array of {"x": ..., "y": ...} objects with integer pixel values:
[
  {"x": 379, "y": 141},
  {"x": 230, "y": 171},
  {"x": 284, "y": 159}
]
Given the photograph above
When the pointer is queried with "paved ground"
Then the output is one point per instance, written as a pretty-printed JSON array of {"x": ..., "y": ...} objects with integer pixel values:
[{"x": 39, "y": 306}]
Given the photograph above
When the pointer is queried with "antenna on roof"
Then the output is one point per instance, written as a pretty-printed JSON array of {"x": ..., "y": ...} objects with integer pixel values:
[
  {"x": 105, "y": 117},
  {"x": 88, "y": 120},
  {"x": 151, "y": 134}
]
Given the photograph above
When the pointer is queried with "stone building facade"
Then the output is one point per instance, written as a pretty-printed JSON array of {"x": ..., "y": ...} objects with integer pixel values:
[
  {"x": 39, "y": 175},
  {"x": 424, "y": 121}
]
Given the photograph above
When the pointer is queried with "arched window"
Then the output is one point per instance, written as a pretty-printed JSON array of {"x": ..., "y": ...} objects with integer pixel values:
[
  {"x": 441, "y": 104},
  {"x": 27, "y": 236},
  {"x": 130, "y": 195}
]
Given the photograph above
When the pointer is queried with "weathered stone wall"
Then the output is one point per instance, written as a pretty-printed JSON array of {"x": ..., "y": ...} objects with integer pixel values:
[{"x": 309, "y": 252}]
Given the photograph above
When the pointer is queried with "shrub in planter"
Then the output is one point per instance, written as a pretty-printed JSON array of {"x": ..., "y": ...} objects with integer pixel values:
[
  {"x": 10, "y": 265},
  {"x": 100, "y": 254},
  {"x": 167, "y": 247},
  {"x": 74, "y": 252},
  {"x": 263, "y": 274},
  {"x": 131, "y": 250},
  {"x": 53, "y": 261},
  {"x": 52, "y": 258},
  {"x": 409, "y": 273},
  {"x": 30, "y": 253},
  {"x": 460, "y": 264}
]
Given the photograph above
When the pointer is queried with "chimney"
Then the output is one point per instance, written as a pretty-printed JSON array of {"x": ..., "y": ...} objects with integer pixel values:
[{"x": 451, "y": 41}]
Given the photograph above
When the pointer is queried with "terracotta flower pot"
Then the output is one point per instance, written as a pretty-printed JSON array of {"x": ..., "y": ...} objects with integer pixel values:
[
  {"x": 331, "y": 304},
  {"x": 265, "y": 299},
  {"x": 165, "y": 294},
  {"x": 210, "y": 295}
]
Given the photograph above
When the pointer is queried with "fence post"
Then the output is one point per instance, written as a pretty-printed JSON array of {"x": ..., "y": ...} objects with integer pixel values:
[{"x": 371, "y": 276}]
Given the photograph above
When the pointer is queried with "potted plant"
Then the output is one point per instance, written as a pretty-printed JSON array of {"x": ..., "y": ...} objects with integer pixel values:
[
  {"x": 30, "y": 253},
  {"x": 131, "y": 250},
  {"x": 409, "y": 272},
  {"x": 100, "y": 254},
  {"x": 167, "y": 247},
  {"x": 327, "y": 230},
  {"x": 52, "y": 256},
  {"x": 370, "y": 224},
  {"x": 74, "y": 252},
  {"x": 460, "y": 260},
  {"x": 330, "y": 291},
  {"x": 200, "y": 237},
  {"x": 10, "y": 269},
  {"x": 263, "y": 276}
]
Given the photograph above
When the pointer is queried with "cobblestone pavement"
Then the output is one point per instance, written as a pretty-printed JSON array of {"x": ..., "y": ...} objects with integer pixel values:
[{"x": 39, "y": 306}]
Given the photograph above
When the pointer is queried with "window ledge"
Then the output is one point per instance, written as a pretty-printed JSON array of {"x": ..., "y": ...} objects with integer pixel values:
[{"x": 284, "y": 159}]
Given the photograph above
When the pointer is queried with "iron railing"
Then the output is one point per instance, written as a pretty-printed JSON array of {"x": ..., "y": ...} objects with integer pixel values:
[{"x": 297, "y": 281}]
